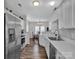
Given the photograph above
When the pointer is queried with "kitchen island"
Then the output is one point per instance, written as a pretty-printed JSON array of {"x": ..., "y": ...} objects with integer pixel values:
[{"x": 63, "y": 49}]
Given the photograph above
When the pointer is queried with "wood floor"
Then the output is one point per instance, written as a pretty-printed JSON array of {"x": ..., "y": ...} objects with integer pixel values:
[{"x": 33, "y": 51}]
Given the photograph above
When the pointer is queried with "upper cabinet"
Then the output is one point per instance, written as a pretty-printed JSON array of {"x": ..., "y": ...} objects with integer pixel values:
[{"x": 66, "y": 14}]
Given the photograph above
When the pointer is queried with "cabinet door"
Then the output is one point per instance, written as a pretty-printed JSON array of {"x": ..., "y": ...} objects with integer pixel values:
[
  {"x": 59, "y": 55},
  {"x": 52, "y": 52}
]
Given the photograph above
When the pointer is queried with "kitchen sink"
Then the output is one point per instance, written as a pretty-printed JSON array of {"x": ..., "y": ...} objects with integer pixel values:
[{"x": 54, "y": 38}]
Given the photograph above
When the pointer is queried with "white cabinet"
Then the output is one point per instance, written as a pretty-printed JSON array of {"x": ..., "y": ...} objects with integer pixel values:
[
  {"x": 59, "y": 55},
  {"x": 57, "y": 49},
  {"x": 45, "y": 43}
]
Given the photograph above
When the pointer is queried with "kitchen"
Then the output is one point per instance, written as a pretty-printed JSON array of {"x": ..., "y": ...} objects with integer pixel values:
[{"x": 52, "y": 23}]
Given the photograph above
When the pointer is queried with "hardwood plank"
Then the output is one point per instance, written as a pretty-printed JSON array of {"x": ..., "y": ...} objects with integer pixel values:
[{"x": 33, "y": 51}]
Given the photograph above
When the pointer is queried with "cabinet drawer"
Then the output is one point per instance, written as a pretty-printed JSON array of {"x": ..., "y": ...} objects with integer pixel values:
[{"x": 52, "y": 57}]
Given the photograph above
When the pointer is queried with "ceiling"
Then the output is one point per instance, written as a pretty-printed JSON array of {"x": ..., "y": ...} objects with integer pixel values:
[{"x": 43, "y": 11}]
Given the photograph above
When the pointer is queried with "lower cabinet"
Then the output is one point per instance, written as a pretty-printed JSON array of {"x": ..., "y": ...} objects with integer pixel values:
[
  {"x": 45, "y": 43},
  {"x": 59, "y": 55},
  {"x": 52, "y": 52}
]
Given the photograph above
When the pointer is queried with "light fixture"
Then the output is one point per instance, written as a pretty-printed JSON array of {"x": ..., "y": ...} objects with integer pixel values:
[
  {"x": 36, "y": 3},
  {"x": 39, "y": 23},
  {"x": 19, "y": 4},
  {"x": 51, "y": 3}
]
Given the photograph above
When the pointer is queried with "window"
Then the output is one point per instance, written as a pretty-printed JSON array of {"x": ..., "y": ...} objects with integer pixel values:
[
  {"x": 37, "y": 29},
  {"x": 40, "y": 29}
]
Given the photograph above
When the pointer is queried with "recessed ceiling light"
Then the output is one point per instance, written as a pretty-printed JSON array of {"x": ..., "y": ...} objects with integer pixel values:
[
  {"x": 36, "y": 3},
  {"x": 19, "y": 5},
  {"x": 52, "y": 3}
]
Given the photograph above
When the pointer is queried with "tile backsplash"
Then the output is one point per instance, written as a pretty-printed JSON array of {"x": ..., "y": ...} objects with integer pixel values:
[{"x": 67, "y": 32}]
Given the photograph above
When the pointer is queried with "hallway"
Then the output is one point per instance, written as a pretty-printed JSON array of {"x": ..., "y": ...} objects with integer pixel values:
[{"x": 33, "y": 51}]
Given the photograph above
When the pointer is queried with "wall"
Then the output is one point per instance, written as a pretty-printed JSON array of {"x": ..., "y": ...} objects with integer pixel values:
[{"x": 68, "y": 32}]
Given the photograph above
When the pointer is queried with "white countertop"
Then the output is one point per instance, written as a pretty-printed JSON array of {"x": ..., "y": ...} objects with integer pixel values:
[{"x": 66, "y": 49}]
